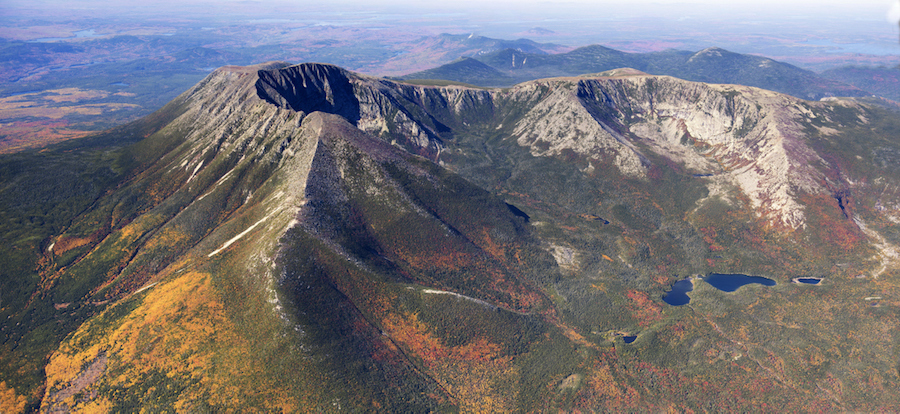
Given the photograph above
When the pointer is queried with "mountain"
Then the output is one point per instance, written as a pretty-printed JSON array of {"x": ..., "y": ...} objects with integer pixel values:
[
  {"x": 717, "y": 65},
  {"x": 594, "y": 58},
  {"x": 712, "y": 65},
  {"x": 465, "y": 70},
  {"x": 884, "y": 82},
  {"x": 305, "y": 238},
  {"x": 431, "y": 51},
  {"x": 486, "y": 44}
]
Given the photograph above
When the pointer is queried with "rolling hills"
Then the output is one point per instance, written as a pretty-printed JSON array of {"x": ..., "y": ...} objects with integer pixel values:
[{"x": 304, "y": 238}]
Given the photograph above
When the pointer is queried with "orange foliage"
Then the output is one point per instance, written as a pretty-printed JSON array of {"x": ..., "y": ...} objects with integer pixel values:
[
  {"x": 833, "y": 227},
  {"x": 603, "y": 384},
  {"x": 470, "y": 372},
  {"x": 489, "y": 245},
  {"x": 448, "y": 259},
  {"x": 644, "y": 309},
  {"x": 602, "y": 388},
  {"x": 709, "y": 236},
  {"x": 21, "y": 135},
  {"x": 65, "y": 244}
]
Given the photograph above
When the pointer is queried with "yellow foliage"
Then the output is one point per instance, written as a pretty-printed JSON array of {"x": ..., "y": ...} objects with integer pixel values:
[
  {"x": 180, "y": 330},
  {"x": 100, "y": 405},
  {"x": 67, "y": 363},
  {"x": 168, "y": 236},
  {"x": 10, "y": 402}
]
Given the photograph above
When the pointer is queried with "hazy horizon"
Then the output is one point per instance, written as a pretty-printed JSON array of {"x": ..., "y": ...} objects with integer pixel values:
[{"x": 763, "y": 27}]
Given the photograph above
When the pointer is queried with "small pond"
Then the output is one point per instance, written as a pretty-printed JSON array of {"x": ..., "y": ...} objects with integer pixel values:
[
  {"x": 731, "y": 282},
  {"x": 629, "y": 339},
  {"x": 808, "y": 280},
  {"x": 678, "y": 295}
]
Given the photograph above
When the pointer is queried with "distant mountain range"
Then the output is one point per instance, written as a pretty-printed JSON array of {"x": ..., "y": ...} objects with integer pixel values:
[
  {"x": 713, "y": 65},
  {"x": 114, "y": 79}
]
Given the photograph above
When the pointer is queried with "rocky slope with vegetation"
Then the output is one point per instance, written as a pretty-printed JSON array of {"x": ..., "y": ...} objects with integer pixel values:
[{"x": 304, "y": 238}]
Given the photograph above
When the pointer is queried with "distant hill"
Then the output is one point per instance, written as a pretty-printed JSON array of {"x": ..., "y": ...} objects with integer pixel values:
[
  {"x": 487, "y": 44},
  {"x": 466, "y": 70},
  {"x": 431, "y": 51},
  {"x": 882, "y": 81},
  {"x": 712, "y": 65},
  {"x": 539, "y": 31},
  {"x": 716, "y": 65}
]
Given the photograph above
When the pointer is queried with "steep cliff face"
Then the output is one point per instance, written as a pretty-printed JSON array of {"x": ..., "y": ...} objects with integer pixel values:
[
  {"x": 738, "y": 135},
  {"x": 747, "y": 137},
  {"x": 743, "y": 136},
  {"x": 309, "y": 88},
  {"x": 302, "y": 238},
  {"x": 561, "y": 121}
]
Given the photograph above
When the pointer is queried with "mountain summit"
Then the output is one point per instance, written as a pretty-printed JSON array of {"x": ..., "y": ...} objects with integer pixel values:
[{"x": 303, "y": 238}]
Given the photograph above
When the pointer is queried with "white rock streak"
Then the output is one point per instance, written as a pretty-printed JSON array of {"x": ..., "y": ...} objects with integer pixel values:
[
  {"x": 200, "y": 165},
  {"x": 144, "y": 288},
  {"x": 469, "y": 298},
  {"x": 242, "y": 234}
]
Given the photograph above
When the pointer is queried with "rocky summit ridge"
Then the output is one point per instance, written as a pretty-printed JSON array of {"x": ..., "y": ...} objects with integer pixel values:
[
  {"x": 741, "y": 136},
  {"x": 303, "y": 238}
]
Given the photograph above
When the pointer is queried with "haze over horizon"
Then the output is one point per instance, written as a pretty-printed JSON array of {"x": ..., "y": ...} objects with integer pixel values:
[{"x": 779, "y": 29}]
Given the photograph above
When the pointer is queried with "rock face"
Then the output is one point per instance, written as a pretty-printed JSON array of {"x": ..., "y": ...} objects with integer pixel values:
[
  {"x": 744, "y": 136},
  {"x": 309, "y": 88},
  {"x": 741, "y": 136},
  {"x": 303, "y": 238}
]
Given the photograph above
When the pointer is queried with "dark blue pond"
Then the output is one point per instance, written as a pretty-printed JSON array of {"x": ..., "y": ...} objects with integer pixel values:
[
  {"x": 809, "y": 280},
  {"x": 678, "y": 295},
  {"x": 629, "y": 339},
  {"x": 730, "y": 283}
]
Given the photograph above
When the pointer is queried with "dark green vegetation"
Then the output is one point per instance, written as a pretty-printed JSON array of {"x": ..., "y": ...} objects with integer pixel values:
[
  {"x": 713, "y": 65},
  {"x": 302, "y": 238},
  {"x": 43, "y": 194}
]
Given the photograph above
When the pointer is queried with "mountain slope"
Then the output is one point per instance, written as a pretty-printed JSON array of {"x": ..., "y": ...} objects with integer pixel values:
[
  {"x": 303, "y": 238},
  {"x": 230, "y": 188}
]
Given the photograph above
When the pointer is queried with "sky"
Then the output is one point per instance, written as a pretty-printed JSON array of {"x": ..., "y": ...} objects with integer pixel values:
[{"x": 856, "y": 9}]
